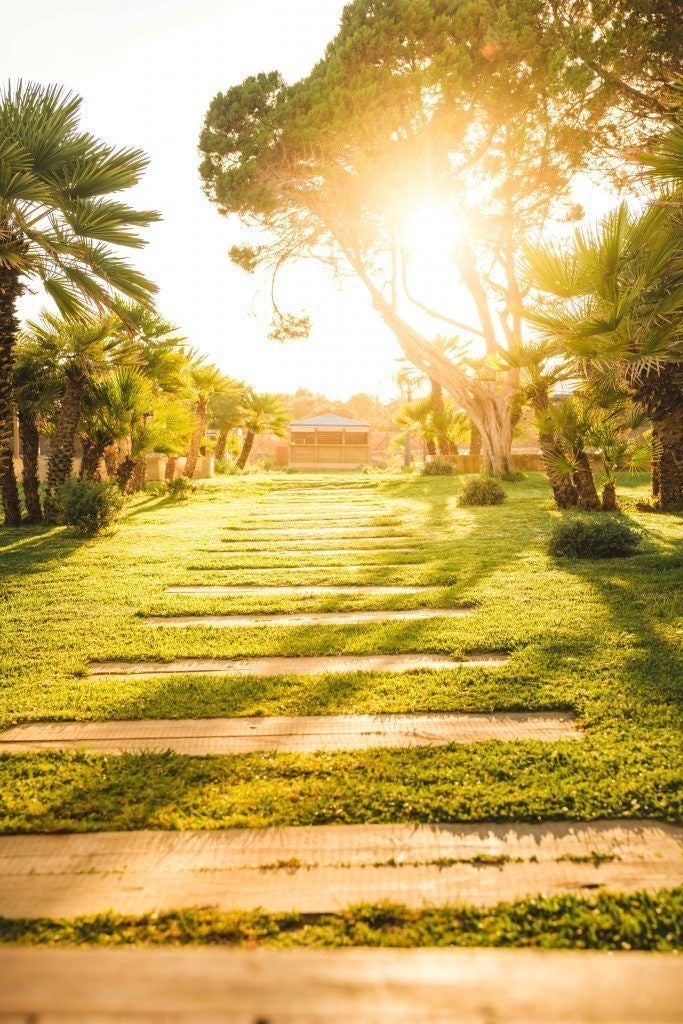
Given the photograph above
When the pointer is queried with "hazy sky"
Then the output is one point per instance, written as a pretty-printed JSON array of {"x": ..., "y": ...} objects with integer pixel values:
[{"x": 147, "y": 72}]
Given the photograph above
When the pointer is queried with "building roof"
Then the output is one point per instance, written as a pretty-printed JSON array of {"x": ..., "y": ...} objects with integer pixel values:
[{"x": 328, "y": 419}]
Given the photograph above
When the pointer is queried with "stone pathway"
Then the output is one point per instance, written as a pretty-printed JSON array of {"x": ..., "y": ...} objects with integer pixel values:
[
  {"x": 301, "y": 734},
  {"x": 302, "y": 588},
  {"x": 320, "y": 869},
  {"x": 281, "y": 666},
  {"x": 310, "y": 618},
  {"x": 323, "y": 986}
]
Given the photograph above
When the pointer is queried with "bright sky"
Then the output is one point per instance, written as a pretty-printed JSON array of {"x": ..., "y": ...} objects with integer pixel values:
[{"x": 147, "y": 70}]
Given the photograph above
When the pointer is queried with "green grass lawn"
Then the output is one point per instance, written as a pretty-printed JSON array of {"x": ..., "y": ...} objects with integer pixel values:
[{"x": 597, "y": 638}]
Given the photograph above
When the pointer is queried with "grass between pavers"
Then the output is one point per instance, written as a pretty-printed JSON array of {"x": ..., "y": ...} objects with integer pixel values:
[
  {"x": 597, "y": 638},
  {"x": 611, "y": 921}
]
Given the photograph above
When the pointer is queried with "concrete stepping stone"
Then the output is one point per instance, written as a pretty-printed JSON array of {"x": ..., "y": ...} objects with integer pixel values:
[
  {"x": 312, "y": 986},
  {"x": 283, "y": 666},
  {"x": 296, "y": 568},
  {"x": 325, "y": 868},
  {"x": 287, "y": 552},
  {"x": 302, "y": 734},
  {"x": 309, "y": 618},
  {"x": 303, "y": 588},
  {"x": 315, "y": 531}
]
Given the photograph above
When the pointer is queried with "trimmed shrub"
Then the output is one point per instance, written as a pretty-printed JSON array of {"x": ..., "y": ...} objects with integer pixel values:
[
  {"x": 438, "y": 467},
  {"x": 89, "y": 506},
  {"x": 593, "y": 538},
  {"x": 482, "y": 490},
  {"x": 179, "y": 489}
]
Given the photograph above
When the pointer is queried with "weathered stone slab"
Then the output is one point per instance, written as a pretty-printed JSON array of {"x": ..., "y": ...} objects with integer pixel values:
[
  {"x": 295, "y": 568},
  {"x": 327, "y": 868},
  {"x": 302, "y": 534},
  {"x": 301, "y": 734},
  {"x": 315, "y": 531},
  {"x": 335, "y": 986},
  {"x": 310, "y": 618},
  {"x": 282, "y": 666},
  {"x": 287, "y": 552},
  {"x": 303, "y": 588}
]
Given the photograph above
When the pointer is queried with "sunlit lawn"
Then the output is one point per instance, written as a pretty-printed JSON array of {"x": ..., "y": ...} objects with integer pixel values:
[{"x": 596, "y": 638}]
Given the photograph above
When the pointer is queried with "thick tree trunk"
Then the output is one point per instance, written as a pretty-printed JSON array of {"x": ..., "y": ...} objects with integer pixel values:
[
  {"x": 609, "y": 497},
  {"x": 10, "y": 290},
  {"x": 139, "y": 478},
  {"x": 659, "y": 393},
  {"x": 111, "y": 460},
  {"x": 475, "y": 440},
  {"x": 564, "y": 491},
  {"x": 62, "y": 447},
  {"x": 246, "y": 450},
  {"x": 443, "y": 441},
  {"x": 30, "y": 444},
  {"x": 124, "y": 474},
  {"x": 93, "y": 452},
  {"x": 586, "y": 493},
  {"x": 430, "y": 447},
  {"x": 193, "y": 450},
  {"x": 171, "y": 462},
  {"x": 221, "y": 442}
]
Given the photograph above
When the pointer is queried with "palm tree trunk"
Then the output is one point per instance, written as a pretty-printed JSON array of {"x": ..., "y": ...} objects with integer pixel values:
[
  {"x": 475, "y": 440},
  {"x": 609, "y": 497},
  {"x": 221, "y": 442},
  {"x": 124, "y": 474},
  {"x": 586, "y": 493},
  {"x": 10, "y": 290},
  {"x": 564, "y": 489},
  {"x": 62, "y": 447},
  {"x": 30, "y": 444},
  {"x": 93, "y": 452},
  {"x": 110, "y": 457},
  {"x": 442, "y": 440},
  {"x": 193, "y": 451},
  {"x": 171, "y": 462},
  {"x": 246, "y": 449},
  {"x": 139, "y": 478},
  {"x": 430, "y": 447},
  {"x": 658, "y": 392}
]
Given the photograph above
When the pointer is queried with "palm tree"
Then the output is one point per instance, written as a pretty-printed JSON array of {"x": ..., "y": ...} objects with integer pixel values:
[
  {"x": 225, "y": 414},
  {"x": 264, "y": 413},
  {"x": 79, "y": 352},
  {"x": 58, "y": 225},
  {"x": 37, "y": 389},
  {"x": 618, "y": 308},
  {"x": 203, "y": 382}
]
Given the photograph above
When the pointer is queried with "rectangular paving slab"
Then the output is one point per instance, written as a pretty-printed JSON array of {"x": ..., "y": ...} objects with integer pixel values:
[
  {"x": 335, "y": 986},
  {"x": 301, "y": 734},
  {"x": 302, "y": 588},
  {"x": 282, "y": 666},
  {"x": 326, "y": 868},
  {"x": 288, "y": 552},
  {"x": 310, "y": 618}
]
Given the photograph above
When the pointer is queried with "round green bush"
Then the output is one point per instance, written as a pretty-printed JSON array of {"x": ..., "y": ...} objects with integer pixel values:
[
  {"x": 89, "y": 506},
  {"x": 593, "y": 538},
  {"x": 482, "y": 490},
  {"x": 438, "y": 467}
]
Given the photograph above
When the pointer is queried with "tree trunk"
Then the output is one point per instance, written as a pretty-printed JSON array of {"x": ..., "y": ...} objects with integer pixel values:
[
  {"x": 475, "y": 440},
  {"x": 171, "y": 462},
  {"x": 124, "y": 474},
  {"x": 443, "y": 441},
  {"x": 62, "y": 446},
  {"x": 111, "y": 460},
  {"x": 93, "y": 452},
  {"x": 30, "y": 444},
  {"x": 10, "y": 290},
  {"x": 563, "y": 488},
  {"x": 139, "y": 478},
  {"x": 658, "y": 392},
  {"x": 193, "y": 450},
  {"x": 221, "y": 442},
  {"x": 430, "y": 447},
  {"x": 586, "y": 493},
  {"x": 246, "y": 449},
  {"x": 609, "y": 497}
]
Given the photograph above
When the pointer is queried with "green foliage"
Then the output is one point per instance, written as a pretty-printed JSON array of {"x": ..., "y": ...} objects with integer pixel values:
[
  {"x": 482, "y": 490},
  {"x": 180, "y": 489},
  {"x": 438, "y": 467},
  {"x": 591, "y": 537},
  {"x": 619, "y": 921},
  {"x": 89, "y": 506}
]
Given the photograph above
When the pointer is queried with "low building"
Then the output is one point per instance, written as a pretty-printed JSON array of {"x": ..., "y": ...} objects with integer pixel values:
[{"x": 329, "y": 442}]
